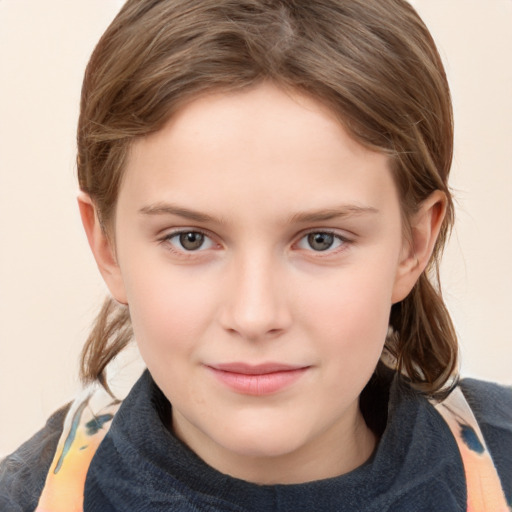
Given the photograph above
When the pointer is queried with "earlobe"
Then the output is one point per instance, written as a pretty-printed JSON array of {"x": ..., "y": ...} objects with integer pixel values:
[
  {"x": 425, "y": 227},
  {"x": 101, "y": 248}
]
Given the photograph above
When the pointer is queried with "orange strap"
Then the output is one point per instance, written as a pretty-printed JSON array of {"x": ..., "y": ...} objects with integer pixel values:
[
  {"x": 484, "y": 490},
  {"x": 85, "y": 426}
]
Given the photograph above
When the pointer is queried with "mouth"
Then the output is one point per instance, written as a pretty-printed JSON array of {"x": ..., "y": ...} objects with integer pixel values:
[{"x": 257, "y": 380}]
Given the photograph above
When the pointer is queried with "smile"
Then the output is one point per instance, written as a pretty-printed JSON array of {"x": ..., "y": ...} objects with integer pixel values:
[{"x": 257, "y": 380}]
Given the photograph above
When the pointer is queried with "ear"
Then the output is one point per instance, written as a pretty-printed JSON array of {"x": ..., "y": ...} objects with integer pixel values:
[
  {"x": 425, "y": 226},
  {"x": 102, "y": 248}
]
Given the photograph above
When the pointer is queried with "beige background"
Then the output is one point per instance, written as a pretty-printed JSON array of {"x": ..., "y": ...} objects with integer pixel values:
[{"x": 49, "y": 286}]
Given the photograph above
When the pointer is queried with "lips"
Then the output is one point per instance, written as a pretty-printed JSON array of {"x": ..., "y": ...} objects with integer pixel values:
[{"x": 257, "y": 380}]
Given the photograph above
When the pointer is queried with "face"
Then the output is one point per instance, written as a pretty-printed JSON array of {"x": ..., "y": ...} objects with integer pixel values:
[{"x": 260, "y": 249}]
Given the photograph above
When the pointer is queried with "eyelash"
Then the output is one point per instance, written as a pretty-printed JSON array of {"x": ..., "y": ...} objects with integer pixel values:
[
  {"x": 184, "y": 253},
  {"x": 344, "y": 242}
]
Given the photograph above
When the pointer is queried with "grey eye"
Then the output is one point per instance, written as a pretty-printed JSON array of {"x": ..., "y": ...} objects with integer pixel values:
[
  {"x": 189, "y": 241},
  {"x": 192, "y": 240},
  {"x": 320, "y": 241}
]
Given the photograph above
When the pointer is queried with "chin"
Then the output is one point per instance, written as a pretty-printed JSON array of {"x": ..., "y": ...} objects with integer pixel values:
[{"x": 261, "y": 443}]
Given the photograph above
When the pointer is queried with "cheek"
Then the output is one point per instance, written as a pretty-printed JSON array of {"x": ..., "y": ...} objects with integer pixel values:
[
  {"x": 169, "y": 310},
  {"x": 352, "y": 313}
]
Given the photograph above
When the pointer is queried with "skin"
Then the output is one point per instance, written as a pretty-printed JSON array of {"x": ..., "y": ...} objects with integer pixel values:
[{"x": 262, "y": 169}]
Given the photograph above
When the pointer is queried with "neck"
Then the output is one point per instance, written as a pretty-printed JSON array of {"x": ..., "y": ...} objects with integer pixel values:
[{"x": 334, "y": 453}]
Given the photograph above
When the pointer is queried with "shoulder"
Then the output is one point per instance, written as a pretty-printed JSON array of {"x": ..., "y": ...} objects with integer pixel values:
[
  {"x": 492, "y": 406},
  {"x": 491, "y": 403},
  {"x": 23, "y": 473}
]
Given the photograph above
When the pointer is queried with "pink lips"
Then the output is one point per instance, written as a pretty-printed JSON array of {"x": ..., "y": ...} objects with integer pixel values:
[{"x": 257, "y": 380}]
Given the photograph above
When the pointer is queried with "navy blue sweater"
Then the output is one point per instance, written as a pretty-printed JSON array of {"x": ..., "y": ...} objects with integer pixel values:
[{"x": 141, "y": 466}]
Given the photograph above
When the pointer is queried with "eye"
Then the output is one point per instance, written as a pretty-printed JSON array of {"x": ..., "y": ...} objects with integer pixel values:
[
  {"x": 189, "y": 241},
  {"x": 321, "y": 241}
]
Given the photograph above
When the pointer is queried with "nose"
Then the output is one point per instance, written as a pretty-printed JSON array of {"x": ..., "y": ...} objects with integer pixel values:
[{"x": 256, "y": 305}]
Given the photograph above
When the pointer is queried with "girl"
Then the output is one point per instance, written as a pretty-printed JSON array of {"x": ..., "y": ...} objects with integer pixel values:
[{"x": 264, "y": 188}]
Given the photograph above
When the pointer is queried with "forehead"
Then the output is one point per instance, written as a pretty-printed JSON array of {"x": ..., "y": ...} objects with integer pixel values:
[{"x": 235, "y": 152}]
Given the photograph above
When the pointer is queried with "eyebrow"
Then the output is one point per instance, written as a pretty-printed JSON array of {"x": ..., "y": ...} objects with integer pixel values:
[
  {"x": 299, "y": 217},
  {"x": 332, "y": 213},
  {"x": 170, "y": 209}
]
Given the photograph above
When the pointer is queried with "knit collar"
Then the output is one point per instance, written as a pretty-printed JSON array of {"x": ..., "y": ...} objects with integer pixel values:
[{"x": 141, "y": 466}]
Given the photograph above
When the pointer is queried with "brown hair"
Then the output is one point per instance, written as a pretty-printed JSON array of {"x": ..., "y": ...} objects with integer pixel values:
[{"x": 373, "y": 62}]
